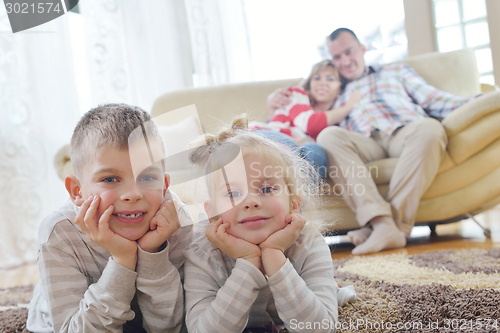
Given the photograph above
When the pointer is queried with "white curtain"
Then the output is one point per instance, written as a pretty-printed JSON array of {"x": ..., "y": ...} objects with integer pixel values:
[
  {"x": 137, "y": 50},
  {"x": 219, "y": 40},
  {"x": 38, "y": 110}
]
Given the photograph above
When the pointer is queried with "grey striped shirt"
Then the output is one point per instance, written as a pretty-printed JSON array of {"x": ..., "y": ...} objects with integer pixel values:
[
  {"x": 224, "y": 295},
  {"x": 82, "y": 289}
]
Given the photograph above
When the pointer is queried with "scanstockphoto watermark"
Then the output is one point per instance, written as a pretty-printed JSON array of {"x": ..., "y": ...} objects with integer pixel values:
[
  {"x": 349, "y": 188},
  {"x": 350, "y": 171},
  {"x": 358, "y": 324},
  {"x": 369, "y": 325},
  {"x": 465, "y": 325}
]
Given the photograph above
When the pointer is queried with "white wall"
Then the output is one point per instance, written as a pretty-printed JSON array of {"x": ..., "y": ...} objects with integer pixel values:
[
  {"x": 493, "y": 9},
  {"x": 419, "y": 27}
]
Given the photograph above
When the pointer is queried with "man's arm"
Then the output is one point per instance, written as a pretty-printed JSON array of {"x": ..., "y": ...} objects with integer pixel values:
[{"x": 437, "y": 103}]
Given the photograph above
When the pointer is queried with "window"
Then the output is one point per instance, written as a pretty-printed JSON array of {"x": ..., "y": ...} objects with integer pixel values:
[
  {"x": 463, "y": 23},
  {"x": 287, "y": 37}
]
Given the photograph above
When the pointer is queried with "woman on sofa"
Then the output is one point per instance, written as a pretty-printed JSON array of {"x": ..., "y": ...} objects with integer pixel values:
[{"x": 297, "y": 124}]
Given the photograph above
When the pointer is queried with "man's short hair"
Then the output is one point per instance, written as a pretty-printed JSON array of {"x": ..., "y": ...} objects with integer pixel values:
[
  {"x": 109, "y": 126},
  {"x": 334, "y": 35}
]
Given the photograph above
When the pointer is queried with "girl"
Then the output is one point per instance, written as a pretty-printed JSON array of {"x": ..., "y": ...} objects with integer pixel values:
[
  {"x": 309, "y": 112},
  {"x": 260, "y": 264}
]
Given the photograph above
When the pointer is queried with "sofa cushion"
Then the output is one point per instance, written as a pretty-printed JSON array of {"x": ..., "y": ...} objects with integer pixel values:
[
  {"x": 175, "y": 136},
  {"x": 474, "y": 138},
  {"x": 468, "y": 199},
  {"x": 468, "y": 172}
]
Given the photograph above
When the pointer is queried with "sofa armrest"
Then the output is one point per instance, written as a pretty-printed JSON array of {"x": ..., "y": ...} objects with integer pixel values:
[
  {"x": 471, "y": 112},
  {"x": 473, "y": 126}
]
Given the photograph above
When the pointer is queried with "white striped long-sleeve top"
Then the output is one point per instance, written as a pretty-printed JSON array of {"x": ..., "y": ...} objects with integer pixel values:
[
  {"x": 82, "y": 289},
  {"x": 227, "y": 295},
  {"x": 298, "y": 118}
]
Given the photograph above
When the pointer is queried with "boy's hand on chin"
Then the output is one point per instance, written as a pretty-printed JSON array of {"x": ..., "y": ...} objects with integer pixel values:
[
  {"x": 284, "y": 238},
  {"x": 232, "y": 246},
  {"x": 123, "y": 251},
  {"x": 161, "y": 227}
]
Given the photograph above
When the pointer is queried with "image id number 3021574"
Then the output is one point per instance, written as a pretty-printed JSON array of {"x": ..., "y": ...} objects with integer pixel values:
[
  {"x": 471, "y": 325},
  {"x": 20, "y": 8}
]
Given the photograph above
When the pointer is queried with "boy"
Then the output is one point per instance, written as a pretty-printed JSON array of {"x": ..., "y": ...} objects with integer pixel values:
[{"x": 105, "y": 262}]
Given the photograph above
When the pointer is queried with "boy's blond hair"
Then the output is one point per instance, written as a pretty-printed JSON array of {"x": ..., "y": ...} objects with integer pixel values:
[
  {"x": 301, "y": 178},
  {"x": 109, "y": 126}
]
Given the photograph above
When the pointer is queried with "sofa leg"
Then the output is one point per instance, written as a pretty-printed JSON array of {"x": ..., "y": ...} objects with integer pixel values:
[
  {"x": 433, "y": 230},
  {"x": 487, "y": 232}
]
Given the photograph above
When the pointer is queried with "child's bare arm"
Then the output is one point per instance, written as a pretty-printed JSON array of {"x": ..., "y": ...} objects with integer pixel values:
[
  {"x": 123, "y": 251},
  {"x": 336, "y": 115}
]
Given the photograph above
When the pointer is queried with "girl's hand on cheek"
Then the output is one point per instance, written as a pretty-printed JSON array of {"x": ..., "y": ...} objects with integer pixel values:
[
  {"x": 230, "y": 245},
  {"x": 284, "y": 238},
  {"x": 122, "y": 250},
  {"x": 274, "y": 247}
]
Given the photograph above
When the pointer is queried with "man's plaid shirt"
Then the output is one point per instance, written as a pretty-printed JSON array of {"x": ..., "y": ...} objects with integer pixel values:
[{"x": 394, "y": 95}]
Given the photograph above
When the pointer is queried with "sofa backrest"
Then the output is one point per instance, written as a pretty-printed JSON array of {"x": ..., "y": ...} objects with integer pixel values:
[
  {"x": 455, "y": 72},
  {"x": 219, "y": 104}
]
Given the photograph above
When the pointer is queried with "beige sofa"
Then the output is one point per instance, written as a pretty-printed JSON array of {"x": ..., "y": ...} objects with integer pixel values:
[{"x": 468, "y": 181}]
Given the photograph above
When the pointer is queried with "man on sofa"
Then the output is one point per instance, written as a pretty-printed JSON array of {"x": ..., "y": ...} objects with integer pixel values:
[{"x": 392, "y": 120}]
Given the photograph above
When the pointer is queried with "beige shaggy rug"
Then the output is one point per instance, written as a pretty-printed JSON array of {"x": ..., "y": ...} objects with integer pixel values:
[{"x": 448, "y": 291}]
